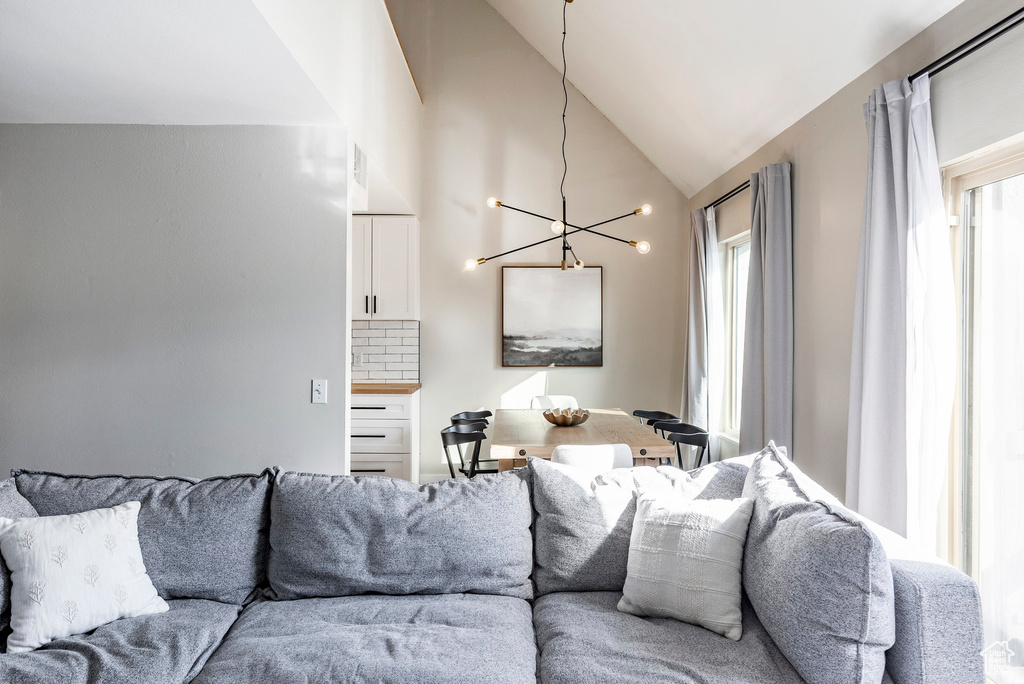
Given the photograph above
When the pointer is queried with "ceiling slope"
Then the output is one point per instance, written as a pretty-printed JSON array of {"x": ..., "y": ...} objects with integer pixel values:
[
  {"x": 699, "y": 86},
  {"x": 111, "y": 61}
]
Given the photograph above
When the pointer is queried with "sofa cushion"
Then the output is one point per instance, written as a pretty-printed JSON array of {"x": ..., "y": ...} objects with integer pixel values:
[
  {"x": 169, "y": 648},
  {"x": 200, "y": 538},
  {"x": 448, "y": 638},
  {"x": 584, "y": 523},
  {"x": 583, "y": 638},
  {"x": 817, "y": 577},
  {"x": 12, "y": 505},
  {"x": 339, "y": 536}
]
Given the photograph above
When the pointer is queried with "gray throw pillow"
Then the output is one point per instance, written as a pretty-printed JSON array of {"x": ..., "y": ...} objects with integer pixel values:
[
  {"x": 12, "y": 505},
  {"x": 340, "y": 536},
  {"x": 204, "y": 539},
  {"x": 818, "y": 579},
  {"x": 583, "y": 524}
]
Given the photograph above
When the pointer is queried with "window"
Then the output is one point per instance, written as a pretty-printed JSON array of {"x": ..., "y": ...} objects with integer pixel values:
[
  {"x": 735, "y": 258},
  {"x": 987, "y": 449}
]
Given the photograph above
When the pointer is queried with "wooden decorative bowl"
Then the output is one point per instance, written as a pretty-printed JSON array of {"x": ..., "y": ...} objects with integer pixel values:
[{"x": 566, "y": 417}]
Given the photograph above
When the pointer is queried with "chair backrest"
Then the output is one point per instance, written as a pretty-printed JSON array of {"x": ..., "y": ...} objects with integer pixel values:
[
  {"x": 554, "y": 401},
  {"x": 652, "y": 417},
  {"x": 471, "y": 417},
  {"x": 593, "y": 458},
  {"x": 695, "y": 438},
  {"x": 458, "y": 436}
]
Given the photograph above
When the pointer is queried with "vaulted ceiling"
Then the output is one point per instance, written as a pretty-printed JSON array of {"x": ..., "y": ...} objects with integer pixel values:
[{"x": 698, "y": 86}]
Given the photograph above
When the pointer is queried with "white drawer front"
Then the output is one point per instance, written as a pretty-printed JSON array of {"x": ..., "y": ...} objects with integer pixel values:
[
  {"x": 381, "y": 407},
  {"x": 381, "y": 436},
  {"x": 395, "y": 469}
]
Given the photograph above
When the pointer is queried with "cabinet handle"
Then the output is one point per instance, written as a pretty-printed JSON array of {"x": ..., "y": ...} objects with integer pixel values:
[
  {"x": 356, "y": 470},
  {"x": 370, "y": 436},
  {"x": 367, "y": 303},
  {"x": 374, "y": 303},
  {"x": 369, "y": 408}
]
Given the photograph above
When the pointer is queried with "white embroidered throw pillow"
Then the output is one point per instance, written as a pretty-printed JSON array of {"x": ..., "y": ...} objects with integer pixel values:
[
  {"x": 686, "y": 562},
  {"x": 74, "y": 573}
]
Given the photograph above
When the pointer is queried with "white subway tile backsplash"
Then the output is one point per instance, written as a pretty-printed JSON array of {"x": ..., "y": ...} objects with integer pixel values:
[
  {"x": 390, "y": 350},
  {"x": 366, "y": 349},
  {"x": 402, "y": 349}
]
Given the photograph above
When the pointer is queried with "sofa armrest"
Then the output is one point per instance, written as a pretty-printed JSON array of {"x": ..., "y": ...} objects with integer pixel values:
[{"x": 939, "y": 633}]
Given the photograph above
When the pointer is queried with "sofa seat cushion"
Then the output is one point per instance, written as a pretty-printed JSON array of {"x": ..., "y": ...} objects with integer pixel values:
[
  {"x": 447, "y": 638},
  {"x": 583, "y": 638},
  {"x": 169, "y": 648},
  {"x": 202, "y": 539}
]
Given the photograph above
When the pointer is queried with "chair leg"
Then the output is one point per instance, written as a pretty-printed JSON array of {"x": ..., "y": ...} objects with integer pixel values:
[{"x": 451, "y": 466}]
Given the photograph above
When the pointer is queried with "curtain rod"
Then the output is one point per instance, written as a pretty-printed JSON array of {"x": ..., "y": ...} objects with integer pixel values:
[
  {"x": 729, "y": 195},
  {"x": 973, "y": 45}
]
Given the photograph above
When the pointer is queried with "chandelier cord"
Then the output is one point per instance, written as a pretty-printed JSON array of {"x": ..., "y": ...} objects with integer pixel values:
[{"x": 565, "y": 105}]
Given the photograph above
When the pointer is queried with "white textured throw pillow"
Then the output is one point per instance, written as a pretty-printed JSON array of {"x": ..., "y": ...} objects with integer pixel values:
[
  {"x": 686, "y": 562},
  {"x": 74, "y": 573}
]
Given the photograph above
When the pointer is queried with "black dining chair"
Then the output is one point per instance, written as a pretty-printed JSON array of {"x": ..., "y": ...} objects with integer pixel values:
[
  {"x": 461, "y": 436},
  {"x": 471, "y": 417},
  {"x": 652, "y": 417},
  {"x": 691, "y": 436}
]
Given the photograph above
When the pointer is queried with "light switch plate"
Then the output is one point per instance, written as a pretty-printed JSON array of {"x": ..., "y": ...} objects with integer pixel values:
[{"x": 319, "y": 392}]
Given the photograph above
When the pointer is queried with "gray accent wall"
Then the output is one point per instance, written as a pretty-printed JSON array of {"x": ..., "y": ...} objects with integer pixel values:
[{"x": 166, "y": 295}]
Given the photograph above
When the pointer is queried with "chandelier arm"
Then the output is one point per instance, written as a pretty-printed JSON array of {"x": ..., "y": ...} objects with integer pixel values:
[
  {"x": 523, "y": 211},
  {"x": 604, "y": 235},
  {"x": 519, "y": 249},
  {"x": 611, "y": 220}
]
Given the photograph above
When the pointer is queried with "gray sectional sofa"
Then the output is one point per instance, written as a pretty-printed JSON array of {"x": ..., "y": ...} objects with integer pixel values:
[{"x": 286, "y": 577}]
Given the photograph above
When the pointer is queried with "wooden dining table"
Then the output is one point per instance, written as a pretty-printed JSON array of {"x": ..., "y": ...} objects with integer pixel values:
[{"x": 517, "y": 434}]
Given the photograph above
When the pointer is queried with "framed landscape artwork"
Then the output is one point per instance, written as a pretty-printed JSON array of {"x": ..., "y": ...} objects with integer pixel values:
[{"x": 551, "y": 317}]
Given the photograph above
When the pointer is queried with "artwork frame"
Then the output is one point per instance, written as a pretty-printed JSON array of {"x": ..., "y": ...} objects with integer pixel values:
[{"x": 552, "y": 318}]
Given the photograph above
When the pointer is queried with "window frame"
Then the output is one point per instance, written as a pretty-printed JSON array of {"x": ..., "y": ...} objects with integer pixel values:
[
  {"x": 730, "y": 419},
  {"x": 959, "y": 178}
]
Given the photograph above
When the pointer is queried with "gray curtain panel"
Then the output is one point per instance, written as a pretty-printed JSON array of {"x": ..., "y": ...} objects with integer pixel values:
[
  {"x": 766, "y": 411},
  {"x": 704, "y": 368},
  {"x": 902, "y": 370}
]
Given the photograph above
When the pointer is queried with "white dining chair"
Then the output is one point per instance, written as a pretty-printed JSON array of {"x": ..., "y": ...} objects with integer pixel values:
[
  {"x": 593, "y": 458},
  {"x": 554, "y": 401}
]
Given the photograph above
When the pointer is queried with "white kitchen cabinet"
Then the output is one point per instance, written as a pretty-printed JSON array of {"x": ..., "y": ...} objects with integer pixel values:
[
  {"x": 385, "y": 268},
  {"x": 385, "y": 435}
]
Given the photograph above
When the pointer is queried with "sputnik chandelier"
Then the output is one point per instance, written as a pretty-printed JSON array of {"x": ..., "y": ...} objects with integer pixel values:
[{"x": 562, "y": 228}]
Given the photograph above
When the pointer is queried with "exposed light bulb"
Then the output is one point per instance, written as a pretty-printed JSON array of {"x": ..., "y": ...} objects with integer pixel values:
[
  {"x": 557, "y": 227},
  {"x": 470, "y": 264},
  {"x": 493, "y": 202},
  {"x": 643, "y": 246},
  {"x": 646, "y": 210},
  {"x": 578, "y": 265}
]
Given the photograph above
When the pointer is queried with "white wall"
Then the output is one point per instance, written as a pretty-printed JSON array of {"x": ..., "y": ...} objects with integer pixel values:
[
  {"x": 350, "y": 51},
  {"x": 975, "y": 103},
  {"x": 166, "y": 295},
  {"x": 492, "y": 126}
]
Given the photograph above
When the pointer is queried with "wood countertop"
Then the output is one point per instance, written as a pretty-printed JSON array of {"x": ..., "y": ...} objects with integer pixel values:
[{"x": 385, "y": 387}]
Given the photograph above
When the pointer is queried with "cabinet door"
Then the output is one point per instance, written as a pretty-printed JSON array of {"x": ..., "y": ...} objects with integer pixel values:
[
  {"x": 396, "y": 268},
  {"x": 362, "y": 245}
]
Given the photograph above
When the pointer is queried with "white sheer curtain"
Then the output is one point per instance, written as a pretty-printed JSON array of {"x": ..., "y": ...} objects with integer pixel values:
[
  {"x": 705, "y": 339},
  {"x": 904, "y": 344},
  {"x": 766, "y": 412}
]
